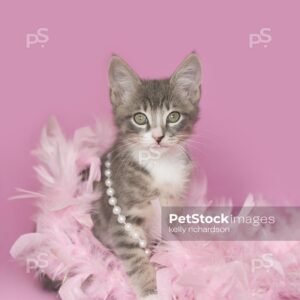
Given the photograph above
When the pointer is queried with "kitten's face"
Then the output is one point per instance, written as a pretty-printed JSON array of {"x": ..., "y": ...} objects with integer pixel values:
[{"x": 155, "y": 114}]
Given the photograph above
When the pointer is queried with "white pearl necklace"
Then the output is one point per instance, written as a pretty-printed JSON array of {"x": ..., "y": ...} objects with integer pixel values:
[{"x": 117, "y": 209}]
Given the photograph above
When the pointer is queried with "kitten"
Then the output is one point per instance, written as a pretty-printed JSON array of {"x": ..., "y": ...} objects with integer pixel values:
[{"x": 148, "y": 159}]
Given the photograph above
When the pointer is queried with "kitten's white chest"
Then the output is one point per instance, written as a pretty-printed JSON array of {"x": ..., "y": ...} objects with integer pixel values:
[{"x": 170, "y": 174}]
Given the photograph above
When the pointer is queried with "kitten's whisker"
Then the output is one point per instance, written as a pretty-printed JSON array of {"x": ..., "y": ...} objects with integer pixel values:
[
  {"x": 183, "y": 150},
  {"x": 120, "y": 148},
  {"x": 123, "y": 160}
]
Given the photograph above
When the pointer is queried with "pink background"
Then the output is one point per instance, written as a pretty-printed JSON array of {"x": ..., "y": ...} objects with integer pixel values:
[{"x": 249, "y": 133}]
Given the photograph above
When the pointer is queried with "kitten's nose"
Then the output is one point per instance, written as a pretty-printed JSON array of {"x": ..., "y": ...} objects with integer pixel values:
[
  {"x": 157, "y": 134},
  {"x": 158, "y": 138}
]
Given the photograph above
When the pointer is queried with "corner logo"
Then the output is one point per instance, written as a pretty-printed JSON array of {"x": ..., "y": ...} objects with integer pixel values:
[
  {"x": 263, "y": 37},
  {"x": 41, "y": 37}
]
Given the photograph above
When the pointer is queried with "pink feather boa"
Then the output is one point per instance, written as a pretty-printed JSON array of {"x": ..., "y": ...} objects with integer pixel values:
[{"x": 64, "y": 248}]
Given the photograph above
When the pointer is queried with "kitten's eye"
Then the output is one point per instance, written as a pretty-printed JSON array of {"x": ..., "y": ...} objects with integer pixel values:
[
  {"x": 173, "y": 117},
  {"x": 140, "y": 119}
]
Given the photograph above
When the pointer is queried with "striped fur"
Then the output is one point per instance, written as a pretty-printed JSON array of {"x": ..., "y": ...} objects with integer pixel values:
[{"x": 142, "y": 169}]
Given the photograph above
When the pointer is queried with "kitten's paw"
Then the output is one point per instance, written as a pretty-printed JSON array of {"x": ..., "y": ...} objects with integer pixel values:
[{"x": 150, "y": 297}]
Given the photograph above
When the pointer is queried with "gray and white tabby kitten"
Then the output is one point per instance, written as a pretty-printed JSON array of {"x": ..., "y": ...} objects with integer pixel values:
[{"x": 148, "y": 159}]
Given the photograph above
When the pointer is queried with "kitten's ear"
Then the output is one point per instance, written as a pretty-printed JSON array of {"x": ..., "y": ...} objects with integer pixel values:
[
  {"x": 123, "y": 81},
  {"x": 186, "y": 79}
]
